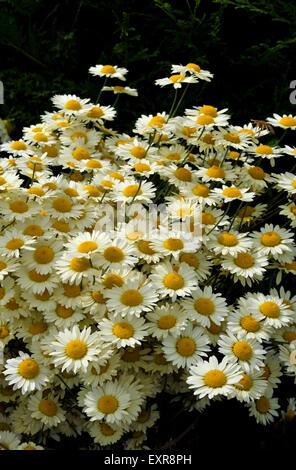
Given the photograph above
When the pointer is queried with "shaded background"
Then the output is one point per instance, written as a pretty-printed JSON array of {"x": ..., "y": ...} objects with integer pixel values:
[{"x": 47, "y": 48}]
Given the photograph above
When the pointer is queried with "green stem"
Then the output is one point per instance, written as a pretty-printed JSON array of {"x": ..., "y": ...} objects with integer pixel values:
[
  {"x": 136, "y": 193},
  {"x": 173, "y": 104},
  {"x": 235, "y": 214},
  {"x": 181, "y": 99},
  {"x": 100, "y": 92}
]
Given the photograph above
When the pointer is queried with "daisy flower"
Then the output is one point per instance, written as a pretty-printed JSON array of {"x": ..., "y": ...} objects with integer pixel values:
[
  {"x": 251, "y": 326},
  {"x": 289, "y": 210},
  {"x": 18, "y": 208},
  {"x": 73, "y": 269},
  {"x": 109, "y": 402},
  {"x": 131, "y": 191},
  {"x": 194, "y": 70},
  {"x": 63, "y": 208},
  {"x": 245, "y": 266},
  {"x": 104, "y": 434},
  {"x": 172, "y": 282},
  {"x": 249, "y": 354},
  {"x": 70, "y": 104},
  {"x": 30, "y": 446},
  {"x": 211, "y": 378},
  {"x": 229, "y": 243},
  {"x": 25, "y": 373},
  {"x": 176, "y": 80},
  {"x": 7, "y": 331},
  {"x": 43, "y": 256},
  {"x": 110, "y": 71},
  {"x": 125, "y": 90},
  {"x": 273, "y": 241},
  {"x": 87, "y": 244},
  {"x": 116, "y": 254},
  {"x": 187, "y": 348},
  {"x": 230, "y": 193},
  {"x": 289, "y": 413},
  {"x": 47, "y": 410},
  {"x": 231, "y": 137},
  {"x": 173, "y": 243},
  {"x": 205, "y": 306},
  {"x": 12, "y": 242},
  {"x": 131, "y": 298},
  {"x": 74, "y": 349},
  {"x": 285, "y": 121},
  {"x": 274, "y": 311},
  {"x": 251, "y": 387},
  {"x": 216, "y": 173},
  {"x": 17, "y": 148},
  {"x": 122, "y": 333},
  {"x": 264, "y": 409},
  {"x": 151, "y": 124},
  {"x": 98, "y": 114},
  {"x": 7, "y": 266},
  {"x": 166, "y": 320},
  {"x": 9, "y": 181},
  {"x": 286, "y": 181},
  {"x": 266, "y": 152},
  {"x": 200, "y": 193},
  {"x": 9, "y": 441}
]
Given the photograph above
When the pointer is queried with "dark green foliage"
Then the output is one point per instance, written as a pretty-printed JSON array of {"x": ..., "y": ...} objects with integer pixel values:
[{"x": 47, "y": 47}]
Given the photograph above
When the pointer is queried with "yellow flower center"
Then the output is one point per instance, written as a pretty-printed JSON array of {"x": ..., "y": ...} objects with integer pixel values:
[
  {"x": 118, "y": 176},
  {"x": 166, "y": 322},
  {"x": 232, "y": 137},
  {"x": 38, "y": 328},
  {"x": 40, "y": 137},
  {"x": 208, "y": 139},
  {"x": 209, "y": 110},
  {"x": 207, "y": 218},
  {"x": 245, "y": 383},
  {"x": 108, "y": 404},
  {"x": 18, "y": 145},
  {"x": 143, "y": 416},
  {"x": 195, "y": 67},
  {"x": 183, "y": 174},
  {"x": 36, "y": 191},
  {"x": 264, "y": 150},
  {"x": 3, "y": 332},
  {"x": 157, "y": 121},
  {"x": 62, "y": 205},
  {"x": 119, "y": 89},
  {"x": 249, "y": 323},
  {"x": 186, "y": 347},
  {"x": 48, "y": 407},
  {"x": 270, "y": 309},
  {"x": 123, "y": 330},
  {"x": 204, "y": 120},
  {"x": 36, "y": 277},
  {"x": 79, "y": 264},
  {"x": 215, "y": 172},
  {"x": 138, "y": 152},
  {"x": 76, "y": 349},
  {"x": 190, "y": 259},
  {"x": 112, "y": 280},
  {"x": 159, "y": 359},
  {"x": 201, "y": 190},
  {"x": 144, "y": 247},
  {"x": 289, "y": 336},
  {"x": 246, "y": 212},
  {"x": 93, "y": 164},
  {"x": 288, "y": 121},
  {"x": 215, "y": 378},
  {"x": 290, "y": 415},
  {"x": 177, "y": 78},
  {"x": 95, "y": 113},
  {"x": 108, "y": 69},
  {"x": 244, "y": 260},
  {"x": 232, "y": 192},
  {"x": 130, "y": 356},
  {"x": 173, "y": 244},
  {"x": 214, "y": 328},
  {"x": 173, "y": 156},
  {"x": 98, "y": 297},
  {"x": 81, "y": 154},
  {"x": 290, "y": 266},
  {"x": 106, "y": 429},
  {"x": 188, "y": 131},
  {"x": 113, "y": 254},
  {"x": 71, "y": 192},
  {"x": 43, "y": 254},
  {"x": 131, "y": 298},
  {"x": 262, "y": 405},
  {"x": 204, "y": 306},
  {"x": 73, "y": 105},
  {"x": 132, "y": 190},
  {"x": 256, "y": 172},
  {"x": 270, "y": 239},
  {"x": 64, "y": 312},
  {"x": 14, "y": 244},
  {"x": 242, "y": 350},
  {"x": 173, "y": 281},
  {"x": 51, "y": 151},
  {"x": 86, "y": 247},
  {"x": 233, "y": 155},
  {"x": 19, "y": 207},
  {"x": 44, "y": 296},
  {"x": 61, "y": 226},
  {"x": 141, "y": 167},
  {"x": 228, "y": 239},
  {"x": 28, "y": 369}
]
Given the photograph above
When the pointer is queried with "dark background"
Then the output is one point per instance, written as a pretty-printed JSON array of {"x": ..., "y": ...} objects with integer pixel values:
[{"x": 46, "y": 47}]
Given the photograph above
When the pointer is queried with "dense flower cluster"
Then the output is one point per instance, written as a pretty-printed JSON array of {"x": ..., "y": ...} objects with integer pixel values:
[{"x": 142, "y": 263}]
